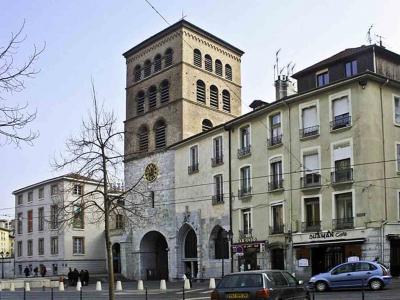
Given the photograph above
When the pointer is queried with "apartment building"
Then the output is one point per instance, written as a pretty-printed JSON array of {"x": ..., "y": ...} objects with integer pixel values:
[
  {"x": 44, "y": 237},
  {"x": 313, "y": 177}
]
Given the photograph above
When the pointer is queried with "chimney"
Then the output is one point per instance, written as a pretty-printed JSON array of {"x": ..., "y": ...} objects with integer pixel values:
[{"x": 283, "y": 87}]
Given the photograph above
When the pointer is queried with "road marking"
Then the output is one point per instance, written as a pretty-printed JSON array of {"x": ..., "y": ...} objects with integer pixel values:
[
  {"x": 207, "y": 292},
  {"x": 197, "y": 298},
  {"x": 189, "y": 291}
]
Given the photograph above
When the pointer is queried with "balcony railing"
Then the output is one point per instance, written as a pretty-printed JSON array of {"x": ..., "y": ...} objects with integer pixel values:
[
  {"x": 276, "y": 229},
  {"x": 244, "y": 192},
  {"x": 216, "y": 161},
  {"x": 275, "y": 140},
  {"x": 243, "y": 234},
  {"x": 193, "y": 168},
  {"x": 275, "y": 185},
  {"x": 310, "y": 180},
  {"x": 344, "y": 223},
  {"x": 312, "y": 225},
  {"x": 218, "y": 199},
  {"x": 341, "y": 121},
  {"x": 309, "y": 131},
  {"x": 244, "y": 151},
  {"x": 342, "y": 175}
]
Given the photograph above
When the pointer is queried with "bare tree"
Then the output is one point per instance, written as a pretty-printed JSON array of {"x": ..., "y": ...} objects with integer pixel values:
[
  {"x": 14, "y": 117},
  {"x": 94, "y": 155}
]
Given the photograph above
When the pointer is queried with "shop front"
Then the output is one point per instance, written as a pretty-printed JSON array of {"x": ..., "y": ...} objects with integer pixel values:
[{"x": 248, "y": 255}]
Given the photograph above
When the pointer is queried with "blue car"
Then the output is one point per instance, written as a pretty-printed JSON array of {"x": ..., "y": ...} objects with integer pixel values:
[{"x": 352, "y": 275}]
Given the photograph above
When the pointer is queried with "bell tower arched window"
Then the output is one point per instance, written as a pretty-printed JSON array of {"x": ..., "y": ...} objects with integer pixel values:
[
  {"x": 140, "y": 103},
  {"x": 228, "y": 72},
  {"x": 164, "y": 91},
  {"x": 208, "y": 63},
  {"x": 152, "y": 93},
  {"x": 168, "y": 57},
  {"x": 201, "y": 91},
  {"x": 137, "y": 73},
  {"x": 197, "y": 60},
  {"x": 213, "y": 96},
  {"x": 206, "y": 125},
  {"x": 147, "y": 68},
  {"x": 143, "y": 138},
  {"x": 218, "y": 67},
  {"x": 226, "y": 101},
  {"x": 157, "y": 63},
  {"x": 160, "y": 134}
]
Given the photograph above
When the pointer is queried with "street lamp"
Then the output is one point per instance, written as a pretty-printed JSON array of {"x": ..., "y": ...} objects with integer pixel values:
[
  {"x": 226, "y": 237},
  {"x": 2, "y": 262}
]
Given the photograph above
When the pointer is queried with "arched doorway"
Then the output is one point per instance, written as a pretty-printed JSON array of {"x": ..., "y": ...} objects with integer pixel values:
[
  {"x": 188, "y": 242},
  {"x": 219, "y": 243},
  {"x": 116, "y": 255},
  {"x": 154, "y": 256}
]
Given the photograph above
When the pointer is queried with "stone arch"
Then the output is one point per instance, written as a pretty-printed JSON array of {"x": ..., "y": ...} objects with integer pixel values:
[
  {"x": 116, "y": 256},
  {"x": 188, "y": 251},
  {"x": 154, "y": 256}
]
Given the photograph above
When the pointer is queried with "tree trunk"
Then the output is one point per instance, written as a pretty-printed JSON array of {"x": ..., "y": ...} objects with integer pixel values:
[{"x": 110, "y": 266}]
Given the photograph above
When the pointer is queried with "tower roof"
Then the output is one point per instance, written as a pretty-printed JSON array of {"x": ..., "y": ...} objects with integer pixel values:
[{"x": 172, "y": 28}]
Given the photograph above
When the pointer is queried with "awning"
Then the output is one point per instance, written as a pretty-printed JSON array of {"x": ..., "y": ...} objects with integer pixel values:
[{"x": 322, "y": 243}]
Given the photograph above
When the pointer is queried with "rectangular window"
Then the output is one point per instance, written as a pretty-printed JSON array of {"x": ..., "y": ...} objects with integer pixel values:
[
  {"x": 322, "y": 79},
  {"x": 77, "y": 190},
  {"x": 275, "y": 130},
  {"x": 246, "y": 217},
  {"x": 310, "y": 121},
  {"x": 311, "y": 168},
  {"x": 20, "y": 199},
  {"x": 78, "y": 245},
  {"x": 41, "y": 246},
  {"x": 351, "y": 68},
  {"x": 54, "y": 245},
  {"x": 40, "y": 218},
  {"x": 342, "y": 163},
  {"x": 30, "y": 248},
  {"x": 19, "y": 248},
  {"x": 218, "y": 189},
  {"x": 30, "y": 220},
  {"x": 245, "y": 137},
  {"x": 398, "y": 157},
  {"x": 217, "y": 149},
  {"x": 397, "y": 110},
  {"x": 119, "y": 221},
  {"x": 41, "y": 193},
  {"x": 276, "y": 180},
  {"x": 344, "y": 211},
  {"x": 19, "y": 223},
  {"x": 277, "y": 218},
  {"x": 245, "y": 184},
  {"x": 54, "y": 190},
  {"x": 30, "y": 196},
  {"x": 340, "y": 113},
  {"x": 193, "y": 159},
  {"x": 312, "y": 216},
  {"x": 78, "y": 220},
  {"x": 55, "y": 269},
  {"x": 54, "y": 216}
]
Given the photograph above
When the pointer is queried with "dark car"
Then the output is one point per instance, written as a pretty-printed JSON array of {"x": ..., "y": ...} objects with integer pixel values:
[
  {"x": 353, "y": 275},
  {"x": 258, "y": 285}
]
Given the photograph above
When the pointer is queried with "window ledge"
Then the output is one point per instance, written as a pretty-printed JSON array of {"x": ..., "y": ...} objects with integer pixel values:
[
  {"x": 309, "y": 137},
  {"x": 274, "y": 146},
  {"x": 342, "y": 182},
  {"x": 78, "y": 254},
  {"x": 276, "y": 190},
  {"x": 341, "y": 129},
  {"x": 78, "y": 229}
]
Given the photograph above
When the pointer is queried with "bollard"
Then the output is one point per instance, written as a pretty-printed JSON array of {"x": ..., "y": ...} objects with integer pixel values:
[
  {"x": 183, "y": 292},
  {"x": 78, "y": 286},
  {"x": 98, "y": 286},
  {"x": 212, "y": 283},
  {"x": 363, "y": 291},
  {"x": 119, "y": 286},
  {"x": 146, "y": 294},
  {"x": 52, "y": 292},
  {"x": 80, "y": 294},
  {"x": 163, "y": 285},
  {"x": 140, "y": 285},
  {"x": 61, "y": 287},
  {"x": 186, "y": 285},
  {"x": 12, "y": 286},
  {"x": 27, "y": 287},
  {"x": 24, "y": 294}
]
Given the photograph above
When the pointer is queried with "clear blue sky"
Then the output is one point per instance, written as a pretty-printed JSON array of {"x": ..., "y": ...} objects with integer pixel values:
[{"x": 86, "y": 39}]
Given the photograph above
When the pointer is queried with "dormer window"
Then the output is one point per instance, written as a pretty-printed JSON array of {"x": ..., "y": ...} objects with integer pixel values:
[
  {"x": 322, "y": 78},
  {"x": 351, "y": 68}
]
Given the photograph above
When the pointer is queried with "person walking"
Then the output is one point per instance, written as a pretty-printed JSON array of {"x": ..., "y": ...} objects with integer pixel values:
[
  {"x": 27, "y": 271},
  {"x": 75, "y": 276},
  {"x": 82, "y": 277},
  {"x": 36, "y": 271},
  {"x": 86, "y": 277},
  {"x": 70, "y": 279},
  {"x": 43, "y": 270}
]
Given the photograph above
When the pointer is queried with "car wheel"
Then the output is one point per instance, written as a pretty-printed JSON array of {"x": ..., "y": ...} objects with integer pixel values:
[
  {"x": 375, "y": 284},
  {"x": 321, "y": 286}
]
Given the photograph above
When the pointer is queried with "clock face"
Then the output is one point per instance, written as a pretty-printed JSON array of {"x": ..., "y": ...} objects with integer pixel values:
[{"x": 151, "y": 172}]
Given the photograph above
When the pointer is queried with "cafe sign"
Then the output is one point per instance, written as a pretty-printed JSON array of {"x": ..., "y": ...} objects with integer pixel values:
[{"x": 327, "y": 235}]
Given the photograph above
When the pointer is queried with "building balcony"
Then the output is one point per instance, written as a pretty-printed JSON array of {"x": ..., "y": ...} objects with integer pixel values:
[
  {"x": 341, "y": 121},
  {"x": 312, "y": 225},
  {"x": 275, "y": 185},
  {"x": 244, "y": 151},
  {"x": 344, "y": 223},
  {"x": 217, "y": 161},
  {"x": 311, "y": 180},
  {"x": 245, "y": 234},
  {"x": 244, "y": 192},
  {"x": 342, "y": 176},
  {"x": 218, "y": 199},
  {"x": 275, "y": 141},
  {"x": 309, "y": 132},
  {"x": 193, "y": 168},
  {"x": 277, "y": 229}
]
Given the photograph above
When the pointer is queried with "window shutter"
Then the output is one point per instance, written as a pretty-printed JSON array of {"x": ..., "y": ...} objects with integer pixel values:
[
  {"x": 341, "y": 152},
  {"x": 310, "y": 117},
  {"x": 340, "y": 106},
  {"x": 311, "y": 164},
  {"x": 214, "y": 96}
]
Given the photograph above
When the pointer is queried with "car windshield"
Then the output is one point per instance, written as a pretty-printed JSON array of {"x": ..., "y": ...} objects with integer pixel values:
[{"x": 241, "y": 280}]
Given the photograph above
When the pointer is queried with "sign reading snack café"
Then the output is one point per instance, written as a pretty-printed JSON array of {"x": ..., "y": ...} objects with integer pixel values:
[{"x": 327, "y": 235}]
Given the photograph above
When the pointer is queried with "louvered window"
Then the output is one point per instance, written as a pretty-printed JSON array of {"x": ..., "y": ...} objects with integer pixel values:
[
  {"x": 143, "y": 139},
  {"x": 140, "y": 102},
  {"x": 226, "y": 101},
  {"x": 152, "y": 97},
  {"x": 208, "y": 63},
  {"x": 168, "y": 57},
  {"x": 214, "y": 96},
  {"x": 197, "y": 58},
  {"x": 147, "y": 68},
  {"x": 201, "y": 91},
  {"x": 206, "y": 125},
  {"x": 228, "y": 72},
  {"x": 157, "y": 63},
  {"x": 218, "y": 67},
  {"x": 160, "y": 135},
  {"x": 164, "y": 91},
  {"x": 138, "y": 73}
]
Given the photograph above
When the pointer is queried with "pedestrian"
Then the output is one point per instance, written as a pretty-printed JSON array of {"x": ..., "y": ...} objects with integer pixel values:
[
  {"x": 70, "y": 275},
  {"x": 86, "y": 275},
  {"x": 27, "y": 271},
  {"x": 36, "y": 271},
  {"x": 82, "y": 277},
  {"x": 75, "y": 276},
  {"x": 43, "y": 271}
]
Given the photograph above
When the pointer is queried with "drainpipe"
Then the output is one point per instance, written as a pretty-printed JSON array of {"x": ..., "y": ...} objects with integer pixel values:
[
  {"x": 230, "y": 191},
  {"x": 290, "y": 256}
]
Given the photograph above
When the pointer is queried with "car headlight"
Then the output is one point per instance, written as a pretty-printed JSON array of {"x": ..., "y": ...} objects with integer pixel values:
[{"x": 312, "y": 279}]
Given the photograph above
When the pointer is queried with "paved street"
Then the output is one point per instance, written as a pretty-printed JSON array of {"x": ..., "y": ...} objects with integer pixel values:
[{"x": 200, "y": 291}]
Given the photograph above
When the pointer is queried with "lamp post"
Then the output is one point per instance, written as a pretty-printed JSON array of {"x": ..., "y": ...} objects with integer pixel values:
[
  {"x": 2, "y": 262},
  {"x": 227, "y": 237}
]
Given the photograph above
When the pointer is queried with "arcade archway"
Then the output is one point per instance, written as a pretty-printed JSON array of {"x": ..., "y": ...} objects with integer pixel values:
[{"x": 154, "y": 256}]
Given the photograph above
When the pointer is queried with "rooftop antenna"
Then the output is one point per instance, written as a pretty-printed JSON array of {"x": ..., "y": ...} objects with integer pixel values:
[
  {"x": 291, "y": 71},
  {"x": 277, "y": 60},
  {"x": 380, "y": 39},
  {"x": 281, "y": 71},
  {"x": 183, "y": 15},
  {"x": 369, "y": 39},
  {"x": 287, "y": 69},
  {"x": 275, "y": 72}
]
